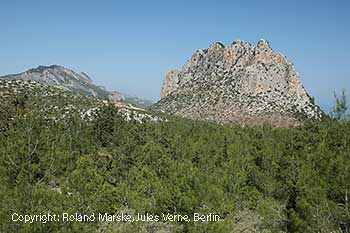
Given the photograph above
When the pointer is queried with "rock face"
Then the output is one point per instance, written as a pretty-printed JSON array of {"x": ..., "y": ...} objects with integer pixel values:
[
  {"x": 171, "y": 82},
  {"x": 61, "y": 77},
  {"x": 238, "y": 84}
]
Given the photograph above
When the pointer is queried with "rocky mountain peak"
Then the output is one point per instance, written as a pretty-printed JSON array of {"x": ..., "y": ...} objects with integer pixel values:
[
  {"x": 67, "y": 79},
  {"x": 59, "y": 76},
  {"x": 263, "y": 46},
  {"x": 238, "y": 83}
]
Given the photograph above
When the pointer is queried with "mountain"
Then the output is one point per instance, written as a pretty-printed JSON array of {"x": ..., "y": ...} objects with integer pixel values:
[
  {"x": 70, "y": 80},
  {"x": 238, "y": 84}
]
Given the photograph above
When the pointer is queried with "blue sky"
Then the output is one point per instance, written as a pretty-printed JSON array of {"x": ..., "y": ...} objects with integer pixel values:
[{"x": 130, "y": 45}]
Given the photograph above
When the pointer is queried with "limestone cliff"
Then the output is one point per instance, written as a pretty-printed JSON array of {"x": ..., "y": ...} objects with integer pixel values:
[{"x": 239, "y": 84}]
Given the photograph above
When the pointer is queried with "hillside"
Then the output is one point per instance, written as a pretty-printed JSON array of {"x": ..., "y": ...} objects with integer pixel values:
[
  {"x": 62, "y": 152},
  {"x": 57, "y": 105},
  {"x": 238, "y": 84}
]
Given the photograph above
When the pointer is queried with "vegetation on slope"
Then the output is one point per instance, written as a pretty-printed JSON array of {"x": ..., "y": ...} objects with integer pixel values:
[{"x": 259, "y": 179}]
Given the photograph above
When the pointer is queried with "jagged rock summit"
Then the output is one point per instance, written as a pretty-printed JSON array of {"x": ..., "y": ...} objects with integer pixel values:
[{"x": 238, "y": 84}]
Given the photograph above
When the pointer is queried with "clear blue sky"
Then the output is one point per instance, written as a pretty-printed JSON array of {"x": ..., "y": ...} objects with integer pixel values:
[{"x": 130, "y": 45}]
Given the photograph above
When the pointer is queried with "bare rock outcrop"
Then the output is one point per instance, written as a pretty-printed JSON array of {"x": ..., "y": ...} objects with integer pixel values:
[
  {"x": 170, "y": 83},
  {"x": 239, "y": 84}
]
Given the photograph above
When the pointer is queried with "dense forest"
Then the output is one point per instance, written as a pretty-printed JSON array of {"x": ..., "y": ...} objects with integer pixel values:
[{"x": 259, "y": 179}]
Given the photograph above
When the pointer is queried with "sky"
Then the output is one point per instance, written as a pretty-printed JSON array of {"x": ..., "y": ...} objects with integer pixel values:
[{"x": 130, "y": 45}]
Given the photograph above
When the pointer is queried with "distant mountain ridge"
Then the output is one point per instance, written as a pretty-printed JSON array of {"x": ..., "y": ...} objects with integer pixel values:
[
  {"x": 238, "y": 84},
  {"x": 61, "y": 77}
]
